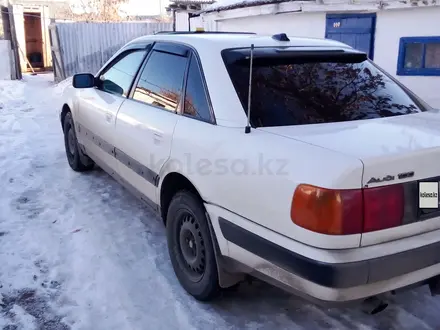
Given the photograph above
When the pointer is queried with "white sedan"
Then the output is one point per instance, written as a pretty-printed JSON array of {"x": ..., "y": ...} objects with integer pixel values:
[{"x": 320, "y": 176}]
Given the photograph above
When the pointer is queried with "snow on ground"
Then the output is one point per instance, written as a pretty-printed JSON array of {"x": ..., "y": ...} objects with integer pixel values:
[{"x": 79, "y": 252}]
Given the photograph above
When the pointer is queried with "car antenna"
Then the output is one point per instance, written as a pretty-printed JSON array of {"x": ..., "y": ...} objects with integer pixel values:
[{"x": 248, "y": 126}]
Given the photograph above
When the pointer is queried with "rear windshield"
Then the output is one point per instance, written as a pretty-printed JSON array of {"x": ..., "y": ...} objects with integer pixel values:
[{"x": 299, "y": 91}]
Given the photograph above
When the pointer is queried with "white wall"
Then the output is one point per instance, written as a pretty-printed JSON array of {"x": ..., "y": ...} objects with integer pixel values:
[
  {"x": 21, "y": 39},
  {"x": 182, "y": 21},
  {"x": 5, "y": 60},
  {"x": 45, "y": 22},
  {"x": 202, "y": 22},
  {"x": 294, "y": 24},
  {"x": 196, "y": 22},
  {"x": 390, "y": 27}
]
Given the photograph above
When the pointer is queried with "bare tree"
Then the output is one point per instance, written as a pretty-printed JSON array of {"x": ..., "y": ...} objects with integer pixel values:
[{"x": 94, "y": 11}]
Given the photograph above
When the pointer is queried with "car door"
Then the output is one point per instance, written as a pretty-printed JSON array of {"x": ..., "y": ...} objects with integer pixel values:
[
  {"x": 146, "y": 120},
  {"x": 98, "y": 106}
]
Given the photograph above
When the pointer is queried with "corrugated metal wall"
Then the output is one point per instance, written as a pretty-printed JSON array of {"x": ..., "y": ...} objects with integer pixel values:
[{"x": 85, "y": 47}]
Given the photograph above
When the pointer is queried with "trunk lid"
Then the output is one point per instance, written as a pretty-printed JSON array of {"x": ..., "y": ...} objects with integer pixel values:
[
  {"x": 386, "y": 146},
  {"x": 401, "y": 149}
]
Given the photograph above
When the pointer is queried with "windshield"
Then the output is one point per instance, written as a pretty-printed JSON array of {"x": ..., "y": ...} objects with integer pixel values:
[{"x": 298, "y": 91}]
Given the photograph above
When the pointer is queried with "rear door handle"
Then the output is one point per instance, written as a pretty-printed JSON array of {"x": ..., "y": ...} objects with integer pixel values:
[
  {"x": 108, "y": 117},
  {"x": 157, "y": 137}
]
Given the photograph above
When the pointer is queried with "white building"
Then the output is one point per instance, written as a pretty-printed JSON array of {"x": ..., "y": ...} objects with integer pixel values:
[
  {"x": 182, "y": 11},
  {"x": 402, "y": 36}
]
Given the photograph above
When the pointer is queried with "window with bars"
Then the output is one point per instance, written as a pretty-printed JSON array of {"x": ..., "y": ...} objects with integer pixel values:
[{"x": 419, "y": 56}]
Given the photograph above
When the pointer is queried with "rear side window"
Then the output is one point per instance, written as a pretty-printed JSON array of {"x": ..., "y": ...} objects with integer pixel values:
[
  {"x": 196, "y": 103},
  {"x": 309, "y": 92},
  {"x": 161, "y": 80},
  {"x": 118, "y": 78}
]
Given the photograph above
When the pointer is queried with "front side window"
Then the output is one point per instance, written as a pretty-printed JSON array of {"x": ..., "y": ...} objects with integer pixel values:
[
  {"x": 118, "y": 78},
  {"x": 304, "y": 91},
  {"x": 419, "y": 56},
  {"x": 161, "y": 80},
  {"x": 196, "y": 103}
]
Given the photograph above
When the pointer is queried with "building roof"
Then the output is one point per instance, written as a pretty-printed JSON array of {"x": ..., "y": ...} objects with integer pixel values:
[
  {"x": 189, "y": 2},
  {"x": 190, "y": 5},
  {"x": 220, "y": 5}
]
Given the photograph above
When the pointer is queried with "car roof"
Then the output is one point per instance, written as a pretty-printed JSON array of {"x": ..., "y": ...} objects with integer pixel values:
[
  {"x": 232, "y": 40},
  {"x": 209, "y": 46}
]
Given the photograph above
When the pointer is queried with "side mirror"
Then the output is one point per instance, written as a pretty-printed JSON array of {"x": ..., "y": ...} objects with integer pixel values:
[
  {"x": 83, "y": 80},
  {"x": 111, "y": 87}
]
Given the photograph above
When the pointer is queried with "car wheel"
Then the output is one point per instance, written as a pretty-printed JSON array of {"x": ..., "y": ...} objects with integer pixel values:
[
  {"x": 77, "y": 161},
  {"x": 190, "y": 246}
]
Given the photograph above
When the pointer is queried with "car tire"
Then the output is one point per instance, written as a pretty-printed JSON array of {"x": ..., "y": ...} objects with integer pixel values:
[
  {"x": 190, "y": 246},
  {"x": 77, "y": 160}
]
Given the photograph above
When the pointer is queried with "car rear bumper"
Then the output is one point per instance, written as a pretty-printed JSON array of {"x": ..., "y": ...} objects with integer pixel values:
[
  {"x": 340, "y": 275},
  {"x": 329, "y": 282}
]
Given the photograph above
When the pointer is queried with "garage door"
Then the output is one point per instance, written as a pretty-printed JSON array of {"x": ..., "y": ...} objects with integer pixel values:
[{"x": 355, "y": 30}]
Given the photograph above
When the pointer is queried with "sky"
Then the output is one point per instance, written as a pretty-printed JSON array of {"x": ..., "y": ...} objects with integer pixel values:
[{"x": 131, "y": 8}]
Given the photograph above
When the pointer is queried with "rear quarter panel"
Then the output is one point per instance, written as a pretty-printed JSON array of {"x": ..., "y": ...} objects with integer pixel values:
[{"x": 255, "y": 175}]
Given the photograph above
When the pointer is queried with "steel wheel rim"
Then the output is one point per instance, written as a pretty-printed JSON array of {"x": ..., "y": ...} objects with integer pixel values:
[
  {"x": 191, "y": 247},
  {"x": 71, "y": 142}
]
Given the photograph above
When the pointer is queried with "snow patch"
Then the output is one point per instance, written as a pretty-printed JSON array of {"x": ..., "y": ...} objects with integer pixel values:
[
  {"x": 22, "y": 318},
  {"x": 78, "y": 252}
]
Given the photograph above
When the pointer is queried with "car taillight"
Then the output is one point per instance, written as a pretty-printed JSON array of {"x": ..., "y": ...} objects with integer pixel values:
[
  {"x": 327, "y": 211},
  {"x": 345, "y": 212},
  {"x": 383, "y": 207}
]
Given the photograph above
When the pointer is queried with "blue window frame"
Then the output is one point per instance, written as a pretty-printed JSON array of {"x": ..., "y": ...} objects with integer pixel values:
[{"x": 419, "y": 56}]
